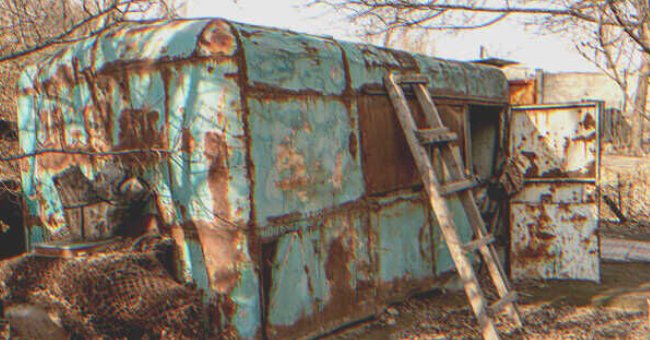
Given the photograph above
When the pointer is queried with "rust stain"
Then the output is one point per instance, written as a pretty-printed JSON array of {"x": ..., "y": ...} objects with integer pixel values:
[
  {"x": 537, "y": 250},
  {"x": 138, "y": 131},
  {"x": 222, "y": 252},
  {"x": 216, "y": 40},
  {"x": 216, "y": 152},
  {"x": 338, "y": 273},
  {"x": 589, "y": 122},
  {"x": 352, "y": 144},
  {"x": 337, "y": 176},
  {"x": 220, "y": 313},
  {"x": 290, "y": 161},
  {"x": 187, "y": 141},
  {"x": 532, "y": 170}
]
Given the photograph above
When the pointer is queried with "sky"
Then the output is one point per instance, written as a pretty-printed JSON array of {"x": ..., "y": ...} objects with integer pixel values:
[{"x": 508, "y": 39}]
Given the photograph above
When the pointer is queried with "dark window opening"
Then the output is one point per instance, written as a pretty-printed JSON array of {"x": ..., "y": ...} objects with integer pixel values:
[{"x": 484, "y": 129}]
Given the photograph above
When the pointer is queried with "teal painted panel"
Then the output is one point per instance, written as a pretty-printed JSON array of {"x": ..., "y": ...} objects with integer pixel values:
[
  {"x": 197, "y": 259},
  {"x": 204, "y": 123},
  {"x": 167, "y": 40},
  {"x": 292, "y": 61},
  {"x": 368, "y": 64},
  {"x": 302, "y": 157},
  {"x": 404, "y": 248},
  {"x": 299, "y": 280},
  {"x": 247, "y": 318},
  {"x": 322, "y": 274},
  {"x": 446, "y": 77},
  {"x": 26, "y": 124}
]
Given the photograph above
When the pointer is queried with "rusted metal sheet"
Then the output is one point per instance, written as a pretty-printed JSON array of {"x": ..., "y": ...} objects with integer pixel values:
[
  {"x": 304, "y": 155},
  {"x": 368, "y": 65},
  {"x": 554, "y": 219},
  {"x": 404, "y": 245},
  {"x": 554, "y": 232},
  {"x": 556, "y": 141},
  {"x": 522, "y": 92},
  {"x": 290, "y": 61},
  {"x": 320, "y": 277}
]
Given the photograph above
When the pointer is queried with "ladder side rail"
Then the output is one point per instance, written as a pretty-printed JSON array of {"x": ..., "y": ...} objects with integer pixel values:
[
  {"x": 452, "y": 158},
  {"x": 439, "y": 206}
]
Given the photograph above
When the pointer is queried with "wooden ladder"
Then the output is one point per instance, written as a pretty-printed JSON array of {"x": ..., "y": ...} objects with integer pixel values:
[{"x": 437, "y": 136}]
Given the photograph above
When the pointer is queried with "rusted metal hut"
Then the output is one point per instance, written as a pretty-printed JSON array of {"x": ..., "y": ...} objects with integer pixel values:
[{"x": 274, "y": 158}]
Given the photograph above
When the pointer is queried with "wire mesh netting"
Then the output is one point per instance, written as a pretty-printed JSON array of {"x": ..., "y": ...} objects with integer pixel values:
[{"x": 124, "y": 291}]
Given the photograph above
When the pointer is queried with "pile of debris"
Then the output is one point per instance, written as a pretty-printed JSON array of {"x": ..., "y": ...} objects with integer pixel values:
[{"x": 124, "y": 291}]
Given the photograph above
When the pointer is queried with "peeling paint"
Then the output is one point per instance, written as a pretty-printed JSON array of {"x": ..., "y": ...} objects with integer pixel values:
[{"x": 554, "y": 219}]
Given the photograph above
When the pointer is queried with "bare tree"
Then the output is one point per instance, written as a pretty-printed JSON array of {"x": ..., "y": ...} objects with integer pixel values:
[
  {"x": 613, "y": 34},
  {"x": 31, "y": 25}
]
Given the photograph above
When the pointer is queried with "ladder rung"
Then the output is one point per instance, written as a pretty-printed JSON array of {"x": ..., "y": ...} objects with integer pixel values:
[
  {"x": 435, "y": 135},
  {"x": 503, "y": 302},
  {"x": 454, "y": 187},
  {"x": 476, "y": 244},
  {"x": 411, "y": 79}
]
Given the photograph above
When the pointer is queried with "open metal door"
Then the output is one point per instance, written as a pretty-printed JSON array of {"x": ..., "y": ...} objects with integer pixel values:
[{"x": 554, "y": 218}]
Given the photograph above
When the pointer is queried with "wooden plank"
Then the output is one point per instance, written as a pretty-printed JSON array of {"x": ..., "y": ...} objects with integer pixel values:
[
  {"x": 430, "y": 111},
  {"x": 69, "y": 250},
  {"x": 457, "y": 186},
  {"x": 439, "y": 205},
  {"x": 411, "y": 79},
  {"x": 435, "y": 135},
  {"x": 478, "y": 243},
  {"x": 501, "y": 304}
]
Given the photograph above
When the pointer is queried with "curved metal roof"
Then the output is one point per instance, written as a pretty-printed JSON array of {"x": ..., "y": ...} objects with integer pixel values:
[{"x": 275, "y": 59}]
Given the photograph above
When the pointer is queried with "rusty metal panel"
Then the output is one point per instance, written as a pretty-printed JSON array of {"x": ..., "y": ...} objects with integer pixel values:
[
  {"x": 320, "y": 277},
  {"x": 554, "y": 219},
  {"x": 368, "y": 65},
  {"x": 277, "y": 59},
  {"x": 522, "y": 92},
  {"x": 403, "y": 239},
  {"x": 554, "y": 232},
  {"x": 305, "y": 155},
  {"x": 556, "y": 141}
]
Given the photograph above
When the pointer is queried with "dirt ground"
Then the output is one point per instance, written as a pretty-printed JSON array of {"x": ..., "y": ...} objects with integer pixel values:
[{"x": 617, "y": 308}]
